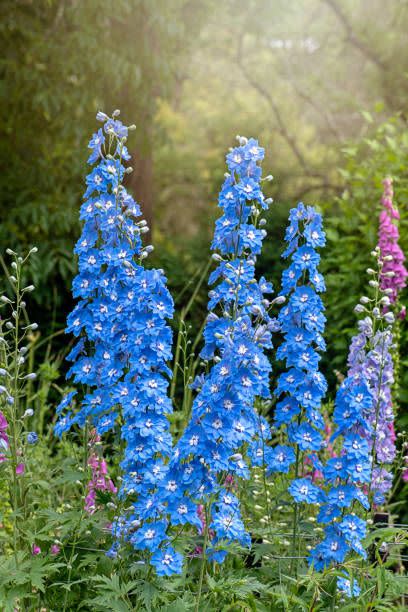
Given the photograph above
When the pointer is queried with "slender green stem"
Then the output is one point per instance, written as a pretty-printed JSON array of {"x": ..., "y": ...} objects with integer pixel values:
[{"x": 203, "y": 563}]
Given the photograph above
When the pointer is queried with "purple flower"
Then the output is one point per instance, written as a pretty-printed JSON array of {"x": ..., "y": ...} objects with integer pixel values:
[
  {"x": 20, "y": 468},
  {"x": 391, "y": 253}
]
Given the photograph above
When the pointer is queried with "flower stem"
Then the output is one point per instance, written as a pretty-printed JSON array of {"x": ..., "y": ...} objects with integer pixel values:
[{"x": 203, "y": 563}]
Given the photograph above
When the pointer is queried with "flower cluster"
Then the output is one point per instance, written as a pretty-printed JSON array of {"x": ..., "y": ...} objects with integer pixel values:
[
  {"x": 363, "y": 418},
  {"x": 346, "y": 474},
  {"x": 378, "y": 366},
  {"x": 100, "y": 480},
  {"x": 391, "y": 252},
  {"x": 124, "y": 341},
  {"x": 301, "y": 387},
  {"x": 209, "y": 456}
]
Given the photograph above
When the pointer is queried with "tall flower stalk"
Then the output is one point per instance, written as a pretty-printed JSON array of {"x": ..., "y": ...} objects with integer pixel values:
[
  {"x": 211, "y": 454},
  {"x": 301, "y": 387},
  {"x": 393, "y": 273},
  {"x": 123, "y": 339},
  {"x": 15, "y": 378},
  {"x": 357, "y": 477},
  {"x": 392, "y": 280}
]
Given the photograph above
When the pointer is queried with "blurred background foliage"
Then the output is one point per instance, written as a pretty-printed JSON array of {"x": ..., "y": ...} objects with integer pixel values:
[{"x": 322, "y": 84}]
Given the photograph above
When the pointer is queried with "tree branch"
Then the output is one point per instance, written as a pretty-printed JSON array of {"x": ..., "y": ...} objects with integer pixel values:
[
  {"x": 281, "y": 127},
  {"x": 353, "y": 38}
]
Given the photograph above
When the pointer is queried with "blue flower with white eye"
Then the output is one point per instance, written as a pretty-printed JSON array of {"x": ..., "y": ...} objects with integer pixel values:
[
  {"x": 306, "y": 258},
  {"x": 347, "y": 587},
  {"x": 149, "y": 536},
  {"x": 305, "y": 436},
  {"x": 352, "y": 527},
  {"x": 304, "y": 491},
  {"x": 335, "y": 468},
  {"x": 333, "y": 549},
  {"x": 167, "y": 561},
  {"x": 280, "y": 458},
  {"x": 124, "y": 340}
]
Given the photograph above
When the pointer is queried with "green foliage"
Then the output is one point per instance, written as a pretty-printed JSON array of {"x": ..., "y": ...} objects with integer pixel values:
[{"x": 352, "y": 225}]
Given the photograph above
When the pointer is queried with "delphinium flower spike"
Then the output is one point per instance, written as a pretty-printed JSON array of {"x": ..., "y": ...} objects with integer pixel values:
[
  {"x": 356, "y": 477},
  {"x": 124, "y": 341},
  {"x": 210, "y": 455},
  {"x": 301, "y": 388}
]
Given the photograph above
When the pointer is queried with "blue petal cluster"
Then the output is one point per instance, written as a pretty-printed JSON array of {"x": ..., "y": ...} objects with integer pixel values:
[
  {"x": 370, "y": 353},
  {"x": 347, "y": 475},
  {"x": 210, "y": 455},
  {"x": 301, "y": 387},
  {"x": 123, "y": 339}
]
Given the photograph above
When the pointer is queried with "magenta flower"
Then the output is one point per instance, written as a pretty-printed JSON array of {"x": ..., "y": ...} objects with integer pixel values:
[
  {"x": 55, "y": 549},
  {"x": 20, "y": 469},
  {"x": 99, "y": 476},
  {"x": 394, "y": 273},
  {"x": 35, "y": 550}
]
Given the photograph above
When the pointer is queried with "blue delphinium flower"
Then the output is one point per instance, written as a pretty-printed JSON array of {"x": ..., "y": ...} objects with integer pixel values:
[
  {"x": 32, "y": 437},
  {"x": 345, "y": 588},
  {"x": 210, "y": 454},
  {"x": 123, "y": 339},
  {"x": 301, "y": 387}
]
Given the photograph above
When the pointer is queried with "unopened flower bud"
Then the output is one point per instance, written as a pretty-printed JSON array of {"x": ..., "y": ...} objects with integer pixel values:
[
  {"x": 101, "y": 116},
  {"x": 389, "y": 318},
  {"x": 281, "y": 299}
]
